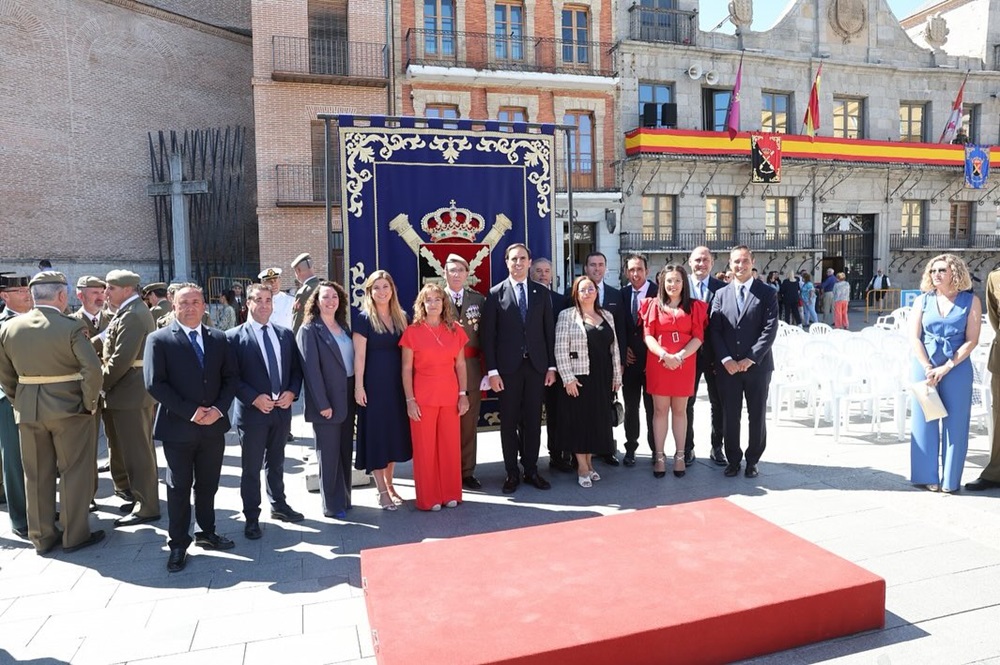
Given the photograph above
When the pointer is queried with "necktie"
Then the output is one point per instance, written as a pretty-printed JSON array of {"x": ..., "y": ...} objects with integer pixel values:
[
  {"x": 522, "y": 301},
  {"x": 742, "y": 298},
  {"x": 272, "y": 363},
  {"x": 197, "y": 347},
  {"x": 635, "y": 305},
  {"x": 701, "y": 289}
]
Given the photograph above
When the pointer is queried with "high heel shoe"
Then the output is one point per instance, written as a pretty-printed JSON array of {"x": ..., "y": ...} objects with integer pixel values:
[
  {"x": 659, "y": 465},
  {"x": 679, "y": 458},
  {"x": 584, "y": 481},
  {"x": 396, "y": 499},
  {"x": 386, "y": 506}
]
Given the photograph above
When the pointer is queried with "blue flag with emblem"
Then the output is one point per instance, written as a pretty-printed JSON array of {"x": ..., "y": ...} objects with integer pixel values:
[{"x": 977, "y": 165}]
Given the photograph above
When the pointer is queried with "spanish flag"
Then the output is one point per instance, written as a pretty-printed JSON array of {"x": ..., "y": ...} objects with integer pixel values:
[{"x": 811, "y": 119}]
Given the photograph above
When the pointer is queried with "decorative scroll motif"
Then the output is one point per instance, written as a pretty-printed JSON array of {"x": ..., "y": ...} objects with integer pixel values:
[
  {"x": 848, "y": 17},
  {"x": 358, "y": 276},
  {"x": 936, "y": 32},
  {"x": 451, "y": 147},
  {"x": 359, "y": 150},
  {"x": 741, "y": 13},
  {"x": 536, "y": 155}
]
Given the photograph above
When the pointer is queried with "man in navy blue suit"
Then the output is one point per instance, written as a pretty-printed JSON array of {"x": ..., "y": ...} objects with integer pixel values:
[
  {"x": 634, "y": 372},
  {"x": 518, "y": 341},
  {"x": 703, "y": 287},
  {"x": 191, "y": 371},
  {"x": 270, "y": 379},
  {"x": 743, "y": 325}
]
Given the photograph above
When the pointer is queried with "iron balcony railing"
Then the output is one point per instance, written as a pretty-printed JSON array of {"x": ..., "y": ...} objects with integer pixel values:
[
  {"x": 675, "y": 26},
  {"x": 899, "y": 241},
  {"x": 301, "y": 58},
  {"x": 588, "y": 176},
  {"x": 302, "y": 185},
  {"x": 508, "y": 52},
  {"x": 755, "y": 240}
]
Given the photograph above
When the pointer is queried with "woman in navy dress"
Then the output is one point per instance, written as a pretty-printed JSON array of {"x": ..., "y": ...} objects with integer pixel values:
[
  {"x": 944, "y": 330},
  {"x": 383, "y": 426}
]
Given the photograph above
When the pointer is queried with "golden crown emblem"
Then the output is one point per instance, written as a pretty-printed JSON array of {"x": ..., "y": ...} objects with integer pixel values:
[{"x": 452, "y": 222}]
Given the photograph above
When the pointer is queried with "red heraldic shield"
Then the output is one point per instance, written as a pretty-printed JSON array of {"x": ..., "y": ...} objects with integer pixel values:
[
  {"x": 454, "y": 230},
  {"x": 765, "y": 157}
]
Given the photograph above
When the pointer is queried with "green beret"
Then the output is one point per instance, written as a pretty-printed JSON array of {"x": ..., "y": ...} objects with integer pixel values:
[
  {"x": 48, "y": 277},
  {"x": 122, "y": 278},
  {"x": 155, "y": 286},
  {"x": 89, "y": 281},
  {"x": 455, "y": 258},
  {"x": 300, "y": 258}
]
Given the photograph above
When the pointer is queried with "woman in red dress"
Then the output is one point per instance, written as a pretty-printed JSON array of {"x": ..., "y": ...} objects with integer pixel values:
[
  {"x": 436, "y": 398},
  {"x": 674, "y": 325}
]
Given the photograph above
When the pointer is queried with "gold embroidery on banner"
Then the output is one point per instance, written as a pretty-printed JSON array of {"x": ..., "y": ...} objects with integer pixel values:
[
  {"x": 359, "y": 148},
  {"x": 451, "y": 147}
]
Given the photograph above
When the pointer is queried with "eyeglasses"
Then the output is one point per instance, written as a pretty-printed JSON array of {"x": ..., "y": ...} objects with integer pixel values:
[{"x": 588, "y": 289}]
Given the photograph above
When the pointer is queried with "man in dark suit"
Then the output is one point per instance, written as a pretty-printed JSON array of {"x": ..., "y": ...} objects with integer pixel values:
[
  {"x": 559, "y": 460},
  {"x": 270, "y": 379},
  {"x": 191, "y": 370},
  {"x": 703, "y": 287},
  {"x": 634, "y": 373},
  {"x": 518, "y": 338},
  {"x": 743, "y": 325}
]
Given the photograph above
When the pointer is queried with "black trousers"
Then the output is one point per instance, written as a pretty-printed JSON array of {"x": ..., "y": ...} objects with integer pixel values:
[
  {"x": 634, "y": 389},
  {"x": 195, "y": 465},
  {"x": 705, "y": 369},
  {"x": 334, "y": 451},
  {"x": 263, "y": 446},
  {"x": 521, "y": 417},
  {"x": 751, "y": 386}
]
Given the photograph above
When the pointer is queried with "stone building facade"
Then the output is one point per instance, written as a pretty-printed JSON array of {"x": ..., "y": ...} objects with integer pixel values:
[
  {"x": 874, "y": 190},
  {"x": 82, "y": 83}
]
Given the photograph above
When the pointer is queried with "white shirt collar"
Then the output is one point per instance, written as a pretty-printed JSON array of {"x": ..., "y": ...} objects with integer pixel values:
[
  {"x": 187, "y": 331},
  {"x": 746, "y": 283}
]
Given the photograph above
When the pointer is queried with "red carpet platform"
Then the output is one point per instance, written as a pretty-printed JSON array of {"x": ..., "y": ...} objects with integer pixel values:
[{"x": 703, "y": 582}]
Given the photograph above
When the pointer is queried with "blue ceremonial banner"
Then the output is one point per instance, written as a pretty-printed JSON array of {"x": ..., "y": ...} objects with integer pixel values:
[
  {"x": 977, "y": 165},
  {"x": 414, "y": 195}
]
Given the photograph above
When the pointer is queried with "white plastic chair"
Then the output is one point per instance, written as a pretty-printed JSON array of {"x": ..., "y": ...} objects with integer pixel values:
[{"x": 820, "y": 329}]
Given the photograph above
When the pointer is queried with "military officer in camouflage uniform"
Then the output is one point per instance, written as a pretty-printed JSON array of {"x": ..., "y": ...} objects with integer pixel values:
[{"x": 50, "y": 371}]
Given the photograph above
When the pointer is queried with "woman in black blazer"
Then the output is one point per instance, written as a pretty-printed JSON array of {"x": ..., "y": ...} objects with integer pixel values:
[{"x": 328, "y": 369}]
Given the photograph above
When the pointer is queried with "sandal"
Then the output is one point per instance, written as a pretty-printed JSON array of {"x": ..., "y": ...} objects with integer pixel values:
[
  {"x": 679, "y": 459},
  {"x": 584, "y": 481},
  {"x": 386, "y": 506},
  {"x": 594, "y": 476},
  {"x": 659, "y": 465},
  {"x": 396, "y": 499}
]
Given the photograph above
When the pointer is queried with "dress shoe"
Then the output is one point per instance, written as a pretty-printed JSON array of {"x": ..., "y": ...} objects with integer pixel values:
[
  {"x": 20, "y": 533},
  {"x": 339, "y": 515},
  {"x": 611, "y": 460},
  {"x": 252, "y": 530},
  {"x": 471, "y": 483},
  {"x": 510, "y": 484},
  {"x": 731, "y": 470},
  {"x": 125, "y": 495},
  {"x": 93, "y": 506},
  {"x": 629, "y": 459},
  {"x": 751, "y": 471},
  {"x": 177, "y": 560},
  {"x": 286, "y": 514},
  {"x": 688, "y": 457},
  {"x": 135, "y": 518},
  {"x": 451, "y": 504},
  {"x": 95, "y": 537},
  {"x": 290, "y": 437},
  {"x": 718, "y": 457},
  {"x": 537, "y": 481},
  {"x": 212, "y": 541},
  {"x": 104, "y": 468},
  {"x": 981, "y": 484},
  {"x": 559, "y": 463}
]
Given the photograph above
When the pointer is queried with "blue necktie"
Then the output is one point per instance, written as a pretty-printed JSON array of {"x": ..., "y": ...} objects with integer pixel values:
[
  {"x": 522, "y": 301},
  {"x": 197, "y": 347},
  {"x": 701, "y": 288},
  {"x": 741, "y": 298},
  {"x": 635, "y": 306},
  {"x": 272, "y": 363}
]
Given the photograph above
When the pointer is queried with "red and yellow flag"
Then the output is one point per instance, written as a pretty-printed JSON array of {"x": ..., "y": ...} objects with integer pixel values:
[{"x": 811, "y": 120}]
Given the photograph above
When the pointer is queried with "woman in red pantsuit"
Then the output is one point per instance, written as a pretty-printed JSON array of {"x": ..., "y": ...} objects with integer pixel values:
[
  {"x": 674, "y": 326},
  {"x": 436, "y": 398}
]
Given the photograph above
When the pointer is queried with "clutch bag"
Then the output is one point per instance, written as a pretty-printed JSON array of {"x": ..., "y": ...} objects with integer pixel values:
[{"x": 929, "y": 400}]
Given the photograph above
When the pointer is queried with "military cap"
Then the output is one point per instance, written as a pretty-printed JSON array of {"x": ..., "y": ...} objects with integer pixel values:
[
  {"x": 48, "y": 277},
  {"x": 89, "y": 281},
  {"x": 270, "y": 273},
  {"x": 304, "y": 256},
  {"x": 122, "y": 278},
  {"x": 455, "y": 258},
  {"x": 7, "y": 281},
  {"x": 155, "y": 286}
]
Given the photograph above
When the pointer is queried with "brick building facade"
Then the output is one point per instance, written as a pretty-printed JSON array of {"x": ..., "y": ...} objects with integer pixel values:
[{"x": 83, "y": 83}]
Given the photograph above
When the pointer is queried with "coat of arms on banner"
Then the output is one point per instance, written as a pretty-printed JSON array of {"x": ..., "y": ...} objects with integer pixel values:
[
  {"x": 977, "y": 165},
  {"x": 765, "y": 158}
]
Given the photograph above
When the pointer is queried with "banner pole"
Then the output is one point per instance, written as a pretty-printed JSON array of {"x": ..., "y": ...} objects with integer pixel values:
[
  {"x": 326, "y": 198},
  {"x": 569, "y": 201}
]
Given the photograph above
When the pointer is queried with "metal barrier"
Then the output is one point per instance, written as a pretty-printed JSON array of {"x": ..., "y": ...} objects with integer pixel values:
[
  {"x": 881, "y": 301},
  {"x": 219, "y": 285}
]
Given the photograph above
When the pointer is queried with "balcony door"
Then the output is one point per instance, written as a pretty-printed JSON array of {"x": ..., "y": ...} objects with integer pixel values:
[
  {"x": 439, "y": 27},
  {"x": 328, "y": 52},
  {"x": 581, "y": 146},
  {"x": 509, "y": 42},
  {"x": 657, "y": 22}
]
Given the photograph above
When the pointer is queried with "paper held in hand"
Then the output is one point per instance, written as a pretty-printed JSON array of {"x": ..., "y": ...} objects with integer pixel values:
[{"x": 929, "y": 400}]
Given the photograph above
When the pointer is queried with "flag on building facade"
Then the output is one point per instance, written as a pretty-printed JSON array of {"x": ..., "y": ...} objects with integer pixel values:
[
  {"x": 811, "y": 119},
  {"x": 955, "y": 119},
  {"x": 977, "y": 165},
  {"x": 765, "y": 157},
  {"x": 733, "y": 112}
]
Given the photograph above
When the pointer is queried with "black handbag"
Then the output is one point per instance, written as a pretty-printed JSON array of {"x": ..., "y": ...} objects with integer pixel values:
[{"x": 617, "y": 411}]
